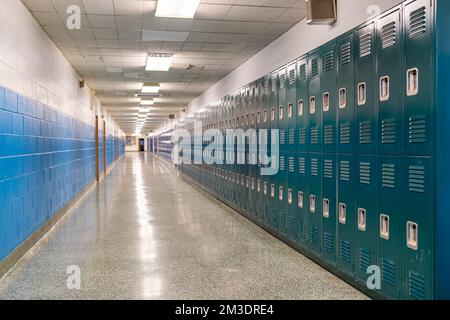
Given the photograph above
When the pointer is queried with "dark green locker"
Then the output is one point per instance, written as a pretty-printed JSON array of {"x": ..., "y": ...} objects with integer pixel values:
[
  {"x": 346, "y": 93},
  {"x": 281, "y": 191},
  {"x": 418, "y": 244},
  {"x": 275, "y": 159},
  {"x": 282, "y": 109},
  {"x": 346, "y": 213},
  {"x": 259, "y": 127},
  {"x": 302, "y": 194},
  {"x": 315, "y": 102},
  {"x": 315, "y": 202},
  {"x": 329, "y": 98},
  {"x": 265, "y": 157},
  {"x": 391, "y": 230},
  {"x": 366, "y": 214},
  {"x": 366, "y": 90},
  {"x": 329, "y": 208},
  {"x": 292, "y": 192},
  {"x": 390, "y": 82},
  {"x": 302, "y": 105},
  {"x": 291, "y": 108},
  {"x": 418, "y": 77}
]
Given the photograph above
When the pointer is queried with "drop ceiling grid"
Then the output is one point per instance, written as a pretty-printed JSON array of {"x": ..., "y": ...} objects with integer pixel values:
[{"x": 109, "y": 54}]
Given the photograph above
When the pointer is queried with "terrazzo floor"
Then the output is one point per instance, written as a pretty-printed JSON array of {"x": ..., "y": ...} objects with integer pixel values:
[{"x": 143, "y": 233}]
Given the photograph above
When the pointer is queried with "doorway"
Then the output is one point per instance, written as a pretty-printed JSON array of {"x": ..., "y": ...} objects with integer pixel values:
[
  {"x": 104, "y": 147},
  {"x": 97, "y": 160},
  {"x": 141, "y": 145}
]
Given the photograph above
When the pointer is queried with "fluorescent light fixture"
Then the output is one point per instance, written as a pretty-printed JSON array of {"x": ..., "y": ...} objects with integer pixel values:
[
  {"x": 176, "y": 8},
  {"x": 167, "y": 36},
  {"x": 144, "y": 110},
  {"x": 159, "y": 61},
  {"x": 147, "y": 102},
  {"x": 150, "y": 87}
]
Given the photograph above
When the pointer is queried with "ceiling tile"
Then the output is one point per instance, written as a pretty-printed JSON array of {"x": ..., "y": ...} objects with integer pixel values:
[
  {"x": 212, "y": 11},
  {"x": 98, "y": 6}
]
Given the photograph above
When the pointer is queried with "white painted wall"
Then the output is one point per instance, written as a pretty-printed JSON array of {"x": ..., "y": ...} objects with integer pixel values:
[
  {"x": 32, "y": 65},
  {"x": 297, "y": 41}
]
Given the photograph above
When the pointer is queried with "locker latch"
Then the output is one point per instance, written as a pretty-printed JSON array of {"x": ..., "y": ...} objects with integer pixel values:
[
  {"x": 312, "y": 203},
  {"x": 412, "y": 82},
  {"x": 272, "y": 190},
  {"x": 289, "y": 196},
  {"x": 258, "y": 185},
  {"x": 342, "y": 98},
  {"x": 362, "y": 219},
  {"x": 280, "y": 193},
  {"x": 300, "y": 199},
  {"x": 412, "y": 235},
  {"x": 300, "y": 107},
  {"x": 290, "y": 110},
  {"x": 384, "y": 226},
  {"x": 326, "y": 101},
  {"x": 362, "y": 93},
  {"x": 384, "y": 88},
  {"x": 326, "y": 208},
  {"x": 312, "y": 105},
  {"x": 265, "y": 188},
  {"x": 281, "y": 113},
  {"x": 342, "y": 213}
]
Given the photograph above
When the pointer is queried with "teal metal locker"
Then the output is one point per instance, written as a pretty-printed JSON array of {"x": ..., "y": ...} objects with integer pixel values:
[
  {"x": 291, "y": 108},
  {"x": 346, "y": 93},
  {"x": 329, "y": 206},
  {"x": 346, "y": 213},
  {"x": 274, "y": 138},
  {"x": 390, "y": 82},
  {"x": 366, "y": 215},
  {"x": 315, "y": 102},
  {"x": 329, "y": 97},
  {"x": 366, "y": 90},
  {"x": 302, "y": 193},
  {"x": 302, "y": 104},
  {"x": 291, "y": 196},
  {"x": 314, "y": 202}
]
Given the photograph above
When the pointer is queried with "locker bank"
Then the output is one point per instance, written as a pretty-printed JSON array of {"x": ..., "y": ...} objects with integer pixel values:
[{"x": 268, "y": 150}]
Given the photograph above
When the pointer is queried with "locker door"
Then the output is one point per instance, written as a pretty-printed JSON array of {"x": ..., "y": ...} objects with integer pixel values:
[
  {"x": 329, "y": 98},
  {"x": 302, "y": 105},
  {"x": 366, "y": 215},
  {"x": 253, "y": 148},
  {"x": 282, "y": 109},
  {"x": 315, "y": 202},
  {"x": 302, "y": 194},
  {"x": 329, "y": 208},
  {"x": 274, "y": 138},
  {"x": 259, "y": 126},
  {"x": 265, "y": 157},
  {"x": 346, "y": 93},
  {"x": 281, "y": 191},
  {"x": 391, "y": 230},
  {"x": 315, "y": 101},
  {"x": 346, "y": 216},
  {"x": 418, "y": 77},
  {"x": 292, "y": 191},
  {"x": 419, "y": 220},
  {"x": 291, "y": 111},
  {"x": 390, "y": 83},
  {"x": 366, "y": 90}
]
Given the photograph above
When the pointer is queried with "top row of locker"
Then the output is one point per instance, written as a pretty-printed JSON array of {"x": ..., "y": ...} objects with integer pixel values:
[{"x": 369, "y": 91}]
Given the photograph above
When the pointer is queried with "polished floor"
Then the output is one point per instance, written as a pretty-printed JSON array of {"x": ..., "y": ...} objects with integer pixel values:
[{"x": 143, "y": 233}]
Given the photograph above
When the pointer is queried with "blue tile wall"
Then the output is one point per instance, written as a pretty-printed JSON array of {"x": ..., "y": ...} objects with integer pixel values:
[{"x": 46, "y": 158}]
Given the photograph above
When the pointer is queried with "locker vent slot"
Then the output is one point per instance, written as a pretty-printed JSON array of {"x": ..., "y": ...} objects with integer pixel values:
[
  {"x": 315, "y": 135},
  {"x": 315, "y": 236},
  {"x": 302, "y": 165},
  {"x": 416, "y": 285},
  {"x": 345, "y": 132},
  {"x": 302, "y": 136},
  {"x": 314, "y": 167},
  {"x": 274, "y": 83},
  {"x": 282, "y": 80},
  {"x": 364, "y": 173},
  {"x": 282, "y": 163},
  {"x": 344, "y": 171},
  {"x": 292, "y": 76},
  {"x": 365, "y": 45},
  {"x": 365, "y": 260},
  {"x": 328, "y": 134},
  {"x": 291, "y": 136},
  {"x": 417, "y": 23},
  {"x": 365, "y": 132},
  {"x": 273, "y": 215},
  {"x": 328, "y": 169},
  {"x": 329, "y": 61},
  {"x": 418, "y": 129},
  {"x": 328, "y": 242},
  {"x": 260, "y": 90},
  {"x": 417, "y": 179},
  {"x": 266, "y": 86},
  {"x": 388, "y": 176},
  {"x": 315, "y": 67},
  {"x": 302, "y": 71},
  {"x": 282, "y": 219},
  {"x": 388, "y": 272},
  {"x": 345, "y": 251},
  {"x": 389, "y": 35},
  {"x": 291, "y": 165},
  {"x": 301, "y": 230},
  {"x": 282, "y": 137},
  {"x": 291, "y": 225},
  {"x": 346, "y": 54},
  {"x": 388, "y": 131}
]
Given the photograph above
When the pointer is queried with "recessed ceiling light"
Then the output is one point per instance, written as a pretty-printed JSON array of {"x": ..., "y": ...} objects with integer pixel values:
[
  {"x": 144, "y": 110},
  {"x": 176, "y": 8},
  {"x": 159, "y": 61},
  {"x": 150, "y": 87},
  {"x": 147, "y": 102}
]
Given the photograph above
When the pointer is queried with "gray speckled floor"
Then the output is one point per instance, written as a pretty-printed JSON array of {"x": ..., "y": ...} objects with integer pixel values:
[{"x": 144, "y": 234}]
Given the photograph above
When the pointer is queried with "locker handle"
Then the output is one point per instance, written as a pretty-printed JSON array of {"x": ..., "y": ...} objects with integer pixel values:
[
  {"x": 300, "y": 199},
  {"x": 362, "y": 94},
  {"x": 384, "y": 88},
  {"x": 258, "y": 118},
  {"x": 253, "y": 184},
  {"x": 280, "y": 193},
  {"x": 362, "y": 219},
  {"x": 272, "y": 117},
  {"x": 300, "y": 107},
  {"x": 289, "y": 196},
  {"x": 258, "y": 186},
  {"x": 272, "y": 190},
  {"x": 412, "y": 234},
  {"x": 326, "y": 208},
  {"x": 312, "y": 105},
  {"x": 412, "y": 82},
  {"x": 342, "y": 213},
  {"x": 312, "y": 203},
  {"x": 265, "y": 116},
  {"x": 290, "y": 110},
  {"x": 281, "y": 113},
  {"x": 326, "y": 101},
  {"x": 384, "y": 226},
  {"x": 265, "y": 188},
  {"x": 342, "y": 98}
]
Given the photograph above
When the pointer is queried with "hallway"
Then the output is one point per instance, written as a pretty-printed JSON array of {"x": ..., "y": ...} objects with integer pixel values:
[{"x": 143, "y": 233}]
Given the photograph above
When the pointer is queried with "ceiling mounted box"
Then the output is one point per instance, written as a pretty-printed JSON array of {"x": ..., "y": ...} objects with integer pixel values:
[{"x": 321, "y": 11}]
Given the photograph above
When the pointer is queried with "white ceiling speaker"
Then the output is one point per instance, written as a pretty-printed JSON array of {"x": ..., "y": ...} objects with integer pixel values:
[{"x": 321, "y": 11}]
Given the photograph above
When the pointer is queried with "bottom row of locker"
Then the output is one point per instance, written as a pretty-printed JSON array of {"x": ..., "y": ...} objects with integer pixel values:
[{"x": 353, "y": 213}]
